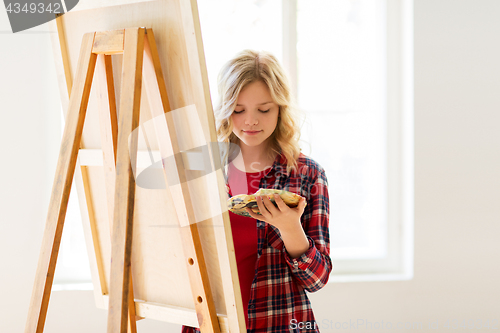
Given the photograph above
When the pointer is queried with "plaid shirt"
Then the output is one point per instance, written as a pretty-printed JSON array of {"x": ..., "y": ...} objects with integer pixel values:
[{"x": 278, "y": 299}]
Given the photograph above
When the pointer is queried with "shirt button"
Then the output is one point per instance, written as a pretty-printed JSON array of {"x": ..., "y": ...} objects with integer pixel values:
[
  {"x": 295, "y": 264},
  {"x": 251, "y": 306}
]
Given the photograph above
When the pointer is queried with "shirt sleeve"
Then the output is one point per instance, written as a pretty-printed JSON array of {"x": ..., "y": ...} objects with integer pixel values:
[{"x": 312, "y": 269}]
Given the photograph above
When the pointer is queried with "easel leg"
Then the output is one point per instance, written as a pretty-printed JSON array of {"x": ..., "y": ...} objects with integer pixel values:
[
  {"x": 62, "y": 187},
  {"x": 131, "y": 321},
  {"x": 125, "y": 184},
  {"x": 109, "y": 133}
]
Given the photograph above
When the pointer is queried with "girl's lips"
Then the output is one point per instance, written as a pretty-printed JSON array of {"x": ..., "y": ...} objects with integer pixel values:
[{"x": 251, "y": 132}]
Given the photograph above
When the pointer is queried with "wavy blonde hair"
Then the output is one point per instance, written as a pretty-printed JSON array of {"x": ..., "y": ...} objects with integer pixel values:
[{"x": 250, "y": 66}]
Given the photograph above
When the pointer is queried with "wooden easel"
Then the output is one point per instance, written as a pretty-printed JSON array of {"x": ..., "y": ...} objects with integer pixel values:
[{"x": 135, "y": 44}]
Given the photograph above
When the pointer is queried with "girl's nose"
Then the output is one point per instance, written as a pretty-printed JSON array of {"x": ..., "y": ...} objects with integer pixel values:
[{"x": 251, "y": 120}]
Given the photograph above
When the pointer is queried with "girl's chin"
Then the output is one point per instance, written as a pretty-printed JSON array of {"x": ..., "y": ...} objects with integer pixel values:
[{"x": 252, "y": 143}]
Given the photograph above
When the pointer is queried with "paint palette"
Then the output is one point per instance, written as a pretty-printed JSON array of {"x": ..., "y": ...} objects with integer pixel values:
[{"x": 238, "y": 203}]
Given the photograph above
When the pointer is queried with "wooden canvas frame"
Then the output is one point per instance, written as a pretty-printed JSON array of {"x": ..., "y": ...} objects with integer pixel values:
[{"x": 178, "y": 36}]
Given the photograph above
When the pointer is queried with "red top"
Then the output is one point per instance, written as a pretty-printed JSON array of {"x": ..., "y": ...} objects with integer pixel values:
[{"x": 244, "y": 230}]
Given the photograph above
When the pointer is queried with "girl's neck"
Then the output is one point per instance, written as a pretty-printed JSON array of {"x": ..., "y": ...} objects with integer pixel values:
[{"x": 253, "y": 159}]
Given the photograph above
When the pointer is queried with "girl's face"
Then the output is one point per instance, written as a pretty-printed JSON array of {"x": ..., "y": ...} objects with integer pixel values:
[{"x": 255, "y": 116}]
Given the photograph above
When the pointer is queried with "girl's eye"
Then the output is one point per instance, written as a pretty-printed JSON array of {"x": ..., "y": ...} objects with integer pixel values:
[
  {"x": 238, "y": 111},
  {"x": 264, "y": 111}
]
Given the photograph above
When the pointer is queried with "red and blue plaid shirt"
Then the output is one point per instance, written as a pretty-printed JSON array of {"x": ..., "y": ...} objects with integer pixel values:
[{"x": 278, "y": 300}]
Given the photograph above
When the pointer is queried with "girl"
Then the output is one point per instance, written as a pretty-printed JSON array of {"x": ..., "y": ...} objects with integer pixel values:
[{"x": 284, "y": 252}]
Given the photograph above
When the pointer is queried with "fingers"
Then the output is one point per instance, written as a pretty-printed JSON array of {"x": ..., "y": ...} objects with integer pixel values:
[
  {"x": 268, "y": 210},
  {"x": 254, "y": 215},
  {"x": 264, "y": 213},
  {"x": 302, "y": 202},
  {"x": 281, "y": 204},
  {"x": 302, "y": 205},
  {"x": 266, "y": 207}
]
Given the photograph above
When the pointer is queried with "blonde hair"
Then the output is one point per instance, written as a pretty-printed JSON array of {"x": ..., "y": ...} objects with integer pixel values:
[{"x": 250, "y": 66}]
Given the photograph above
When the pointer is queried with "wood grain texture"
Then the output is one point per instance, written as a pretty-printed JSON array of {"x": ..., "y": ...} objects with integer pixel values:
[
  {"x": 223, "y": 238},
  {"x": 61, "y": 187},
  {"x": 108, "y": 42},
  {"x": 91, "y": 233},
  {"x": 109, "y": 137},
  {"x": 64, "y": 56},
  {"x": 166, "y": 135},
  {"x": 123, "y": 216},
  {"x": 171, "y": 314},
  {"x": 64, "y": 76},
  {"x": 93, "y": 4},
  {"x": 108, "y": 125},
  {"x": 159, "y": 269}
]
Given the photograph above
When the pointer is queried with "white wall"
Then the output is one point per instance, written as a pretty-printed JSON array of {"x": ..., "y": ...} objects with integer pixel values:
[
  {"x": 27, "y": 150},
  {"x": 457, "y": 183},
  {"x": 457, "y": 180}
]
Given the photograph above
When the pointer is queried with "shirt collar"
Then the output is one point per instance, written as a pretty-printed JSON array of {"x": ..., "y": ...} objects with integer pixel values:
[{"x": 279, "y": 165}]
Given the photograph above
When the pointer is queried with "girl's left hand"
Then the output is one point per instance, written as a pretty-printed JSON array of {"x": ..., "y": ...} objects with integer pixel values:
[{"x": 282, "y": 217}]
